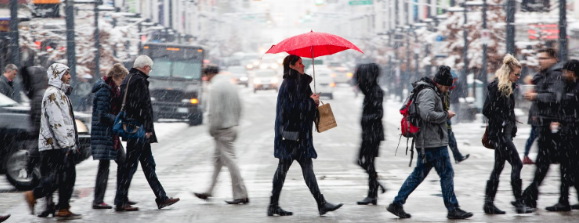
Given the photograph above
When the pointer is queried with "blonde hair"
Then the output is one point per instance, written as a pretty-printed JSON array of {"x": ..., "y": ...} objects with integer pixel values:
[
  {"x": 117, "y": 71},
  {"x": 505, "y": 84}
]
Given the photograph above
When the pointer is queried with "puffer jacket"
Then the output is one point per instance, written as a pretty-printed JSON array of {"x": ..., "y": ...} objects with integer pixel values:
[
  {"x": 57, "y": 125},
  {"x": 101, "y": 136},
  {"x": 433, "y": 128}
]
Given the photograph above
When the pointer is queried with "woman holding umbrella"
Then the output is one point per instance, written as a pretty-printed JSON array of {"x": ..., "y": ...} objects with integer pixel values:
[{"x": 295, "y": 113}]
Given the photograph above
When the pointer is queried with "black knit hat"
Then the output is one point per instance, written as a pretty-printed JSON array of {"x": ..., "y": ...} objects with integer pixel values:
[
  {"x": 443, "y": 76},
  {"x": 573, "y": 66}
]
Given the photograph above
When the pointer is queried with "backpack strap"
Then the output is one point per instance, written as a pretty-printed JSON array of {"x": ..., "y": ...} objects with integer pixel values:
[{"x": 126, "y": 91}]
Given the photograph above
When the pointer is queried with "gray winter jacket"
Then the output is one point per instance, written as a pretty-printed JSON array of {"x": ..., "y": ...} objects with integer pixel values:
[{"x": 433, "y": 130}]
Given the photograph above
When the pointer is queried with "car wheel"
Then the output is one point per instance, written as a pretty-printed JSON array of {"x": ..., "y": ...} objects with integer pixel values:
[
  {"x": 196, "y": 119},
  {"x": 16, "y": 171}
]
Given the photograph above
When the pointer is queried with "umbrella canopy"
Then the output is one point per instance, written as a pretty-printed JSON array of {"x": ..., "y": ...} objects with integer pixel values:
[{"x": 313, "y": 44}]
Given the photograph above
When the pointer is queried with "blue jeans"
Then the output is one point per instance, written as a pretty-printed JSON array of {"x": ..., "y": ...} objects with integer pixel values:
[
  {"x": 532, "y": 137},
  {"x": 439, "y": 159}
]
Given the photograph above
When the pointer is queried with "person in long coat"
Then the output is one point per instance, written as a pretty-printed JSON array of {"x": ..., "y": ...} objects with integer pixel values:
[
  {"x": 295, "y": 113},
  {"x": 372, "y": 130},
  {"x": 105, "y": 146},
  {"x": 499, "y": 108}
]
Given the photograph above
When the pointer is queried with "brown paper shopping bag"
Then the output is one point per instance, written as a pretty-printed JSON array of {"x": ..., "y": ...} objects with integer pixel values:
[{"x": 326, "y": 120}]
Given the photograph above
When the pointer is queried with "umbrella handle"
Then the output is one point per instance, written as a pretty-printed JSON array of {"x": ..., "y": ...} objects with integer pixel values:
[{"x": 314, "y": 69}]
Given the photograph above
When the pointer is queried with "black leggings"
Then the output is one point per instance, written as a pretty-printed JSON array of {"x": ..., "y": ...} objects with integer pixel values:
[
  {"x": 366, "y": 157},
  {"x": 505, "y": 150},
  {"x": 307, "y": 171}
]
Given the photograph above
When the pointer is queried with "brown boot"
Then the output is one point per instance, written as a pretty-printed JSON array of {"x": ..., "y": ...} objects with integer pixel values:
[
  {"x": 30, "y": 200},
  {"x": 65, "y": 214}
]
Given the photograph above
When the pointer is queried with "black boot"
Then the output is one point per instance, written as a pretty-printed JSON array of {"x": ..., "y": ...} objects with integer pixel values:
[
  {"x": 490, "y": 192},
  {"x": 559, "y": 207},
  {"x": 519, "y": 204},
  {"x": 274, "y": 209},
  {"x": 398, "y": 210},
  {"x": 50, "y": 210},
  {"x": 325, "y": 207},
  {"x": 372, "y": 197}
]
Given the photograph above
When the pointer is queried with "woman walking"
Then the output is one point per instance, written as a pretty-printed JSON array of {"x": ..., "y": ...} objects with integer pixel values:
[
  {"x": 372, "y": 129},
  {"x": 499, "y": 109},
  {"x": 104, "y": 145},
  {"x": 295, "y": 113}
]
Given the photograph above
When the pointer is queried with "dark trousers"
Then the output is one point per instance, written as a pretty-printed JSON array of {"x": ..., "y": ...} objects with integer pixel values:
[
  {"x": 569, "y": 159},
  {"x": 505, "y": 151},
  {"x": 366, "y": 157},
  {"x": 307, "y": 171},
  {"x": 439, "y": 159},
  {"x": 453, "y": 145},
  {"x": 61, "y": 177},
  {"x": 102, "y": 177},
  {"x": 138, "y": 151},
  {"x": 531, "y": 139},
  {"x": 548, "y": 154}
]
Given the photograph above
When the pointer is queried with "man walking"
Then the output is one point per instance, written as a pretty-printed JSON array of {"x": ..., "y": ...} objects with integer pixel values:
[
  {"x": 431, "y": 143},
  {"x": 547, "y": 95},
  {"x": 224, "y": 113},
  {"x": 7, "y": 80},
  {"x": 58, "y": 141},
  {"x": 138, "y": 107}
]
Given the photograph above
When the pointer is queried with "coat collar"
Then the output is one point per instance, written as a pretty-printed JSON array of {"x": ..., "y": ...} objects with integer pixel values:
[{"x": 136, "y": 71}]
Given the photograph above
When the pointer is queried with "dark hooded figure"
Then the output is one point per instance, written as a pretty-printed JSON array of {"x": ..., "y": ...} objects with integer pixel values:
[
  {"x": 35, "y": 83},
  {"x": 372, "y": 129},
  {"x": 569, "y": 129},
  {"x": 295, "y": 113}
]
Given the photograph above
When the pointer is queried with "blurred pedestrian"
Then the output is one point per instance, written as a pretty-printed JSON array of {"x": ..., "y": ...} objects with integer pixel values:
[
  {"x": 224, "y": 114},
  {"x": 431, "y": 144},
  {"x": 4, "y": 218},
  {"x": 7, "y": 80},
  {"x": 458, "y": 157},
  {"x": 533, "y": 121},
  {"x": 296, "y": 111},
  {"x": 372, "y": 130},
  {"x": 547, "y": 95},
  {"x": 138, "y": 107},
  {"x": 499, "y": 108},
  {"x": 58, "y": 141},
  {"x": 569, "y": 128},
  {"x": 35, "y": 83},
  {"x": 106, "y": 146},
  {"x": 82, "y": 91}
]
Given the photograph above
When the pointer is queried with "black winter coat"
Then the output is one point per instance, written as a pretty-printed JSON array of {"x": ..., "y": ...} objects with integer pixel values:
[
  {"x": 499, "y": 109},
  {"x": 295, "y": 112},
  {"x": 549, "y": 90},
  {"x": 569, "y": 109},
  {"x": 534, "y": 110},
  {"x": 6, "y": 86},
  {"x": 101, "y": 136},
  {"x": 372, "y": 113},
  {"x": 35, "y": 82},
  {"x": 138, "y": 105}
]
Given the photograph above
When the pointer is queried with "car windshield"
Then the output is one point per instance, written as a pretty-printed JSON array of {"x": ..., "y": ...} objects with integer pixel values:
[
  {"x": 5, "y": 101},
  {"x": 266, "y": 73},
  {"x": 163, "y": 67}
]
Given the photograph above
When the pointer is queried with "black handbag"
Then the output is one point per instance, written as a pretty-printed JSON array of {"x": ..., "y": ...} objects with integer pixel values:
[{"x": 289, "y": 135}]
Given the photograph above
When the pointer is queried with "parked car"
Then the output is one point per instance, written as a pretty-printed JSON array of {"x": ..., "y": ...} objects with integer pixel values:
[
  {"x": 342, "y": 75},
  {"x": 239, "y": 75},
  {"x": 325, "y": 83},
  {"x": 265, "y": 80},
  {"x": 16, "y": 140}
]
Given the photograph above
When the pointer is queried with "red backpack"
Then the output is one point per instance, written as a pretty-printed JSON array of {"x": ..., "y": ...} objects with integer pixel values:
[{"x": 410, "y": 123}]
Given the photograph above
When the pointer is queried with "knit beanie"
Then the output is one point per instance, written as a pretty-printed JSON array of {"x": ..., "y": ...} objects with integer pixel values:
[{"x": 443, "y": 76}]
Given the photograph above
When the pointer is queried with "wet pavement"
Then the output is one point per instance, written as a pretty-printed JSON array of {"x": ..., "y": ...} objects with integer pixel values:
[{"x": 184, "y": 166}]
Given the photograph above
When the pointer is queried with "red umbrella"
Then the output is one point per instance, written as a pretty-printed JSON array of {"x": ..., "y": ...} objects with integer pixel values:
[{"x": 312, "y": 45}]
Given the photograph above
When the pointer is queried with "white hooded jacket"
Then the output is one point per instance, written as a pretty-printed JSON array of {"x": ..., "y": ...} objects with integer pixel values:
[{"x": 57, "y": 127}]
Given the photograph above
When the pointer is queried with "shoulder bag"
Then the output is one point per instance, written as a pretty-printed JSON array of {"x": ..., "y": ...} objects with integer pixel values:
[{"x": 125, "y": 127}]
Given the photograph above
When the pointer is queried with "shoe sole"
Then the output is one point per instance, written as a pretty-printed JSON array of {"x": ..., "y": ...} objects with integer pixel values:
[
  {"x": 68, "y": 218},
  {"x": 101, "y": 208},
  {"x": 123, "y": 210},
  {"x": 456, "y": 217}
]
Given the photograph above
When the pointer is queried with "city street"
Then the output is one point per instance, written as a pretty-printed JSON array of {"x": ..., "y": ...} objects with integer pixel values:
[{"x": 184, "y": 166}]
